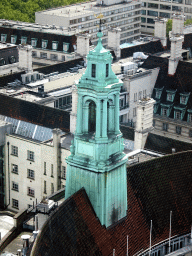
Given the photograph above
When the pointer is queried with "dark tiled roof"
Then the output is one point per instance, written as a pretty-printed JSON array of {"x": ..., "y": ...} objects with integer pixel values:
[
  {"x": 128, "y": 132},
  {"x": 34, "y": 113},
  {"x": 148, "y": 48},
  {"x": 164, "y": 145},
  {"x": 154, "y": 188}
]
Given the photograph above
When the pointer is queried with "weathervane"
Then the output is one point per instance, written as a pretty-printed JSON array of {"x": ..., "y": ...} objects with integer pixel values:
[{"x": 100, "y": 16}]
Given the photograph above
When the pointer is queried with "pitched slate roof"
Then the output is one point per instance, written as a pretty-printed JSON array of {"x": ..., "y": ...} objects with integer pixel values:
[
  {"x": 34, "y": 113},
  {"x": 154, "y": 189},
  {"x": 164, "y": 145}
]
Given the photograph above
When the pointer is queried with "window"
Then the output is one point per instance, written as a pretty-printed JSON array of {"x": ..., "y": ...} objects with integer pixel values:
[
  {"x": 23, "y": 40},
  {"x": 51, "y": 170},
  {"x": 44, "y": 44},
  {"x": 164, "y": 111},
  {"x": 34, "y": 54},
  {"x": 45, "y": 187},
  {"x": 144, "y": 93},
  {"x": 134, "y": 111},
  {"x": 135, "y": 97},
  {"x": 93, "y": 74},
  {"x": 169, "y": 97},
  {"x": 65, "y": 47},
  {"x": 14, "y": 150},
  {"x": 178, "y": 130},
  {"x": 189, "y": 117},
  {"x": 45, "y": 168},
  {"x": 30, "y": 192},
  {"x": 54, "y": 45},
  {"x": 53, "y": 56},
  {"x": 14, "y": 168},
  {"x": 13, "y": 39},
  {"x": 3, "y": 38},
  {"x": 107, "y": 70},
  {"x": 52, "y": 188},
  {"x": 190, "y": 133},
  {"x": 63, "y": 173},
  {"x": 15, "y": 186},
  {"x": 34, "y": 42},
  {"x": 165, "y": 127},
  {"x": 30, "y": 155},
  {"x": 43, "y": 55},
  {"x": 15, "y": 203},
  {"x": 158, "y": 94},
  {"x": 30, "y": 174},
  {"x": 140, "y": 95},
  {"x": 177, "y": 115}
]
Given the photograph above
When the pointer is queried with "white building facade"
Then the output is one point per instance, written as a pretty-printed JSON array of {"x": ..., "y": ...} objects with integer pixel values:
[{"x": 82, "y": 17}]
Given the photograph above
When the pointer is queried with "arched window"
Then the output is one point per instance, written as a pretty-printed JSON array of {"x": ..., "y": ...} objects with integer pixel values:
[{"x": 92, "y": 117}]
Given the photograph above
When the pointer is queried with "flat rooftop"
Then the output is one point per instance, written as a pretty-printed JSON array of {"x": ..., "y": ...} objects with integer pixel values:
[{"x": 83, "y": 9}]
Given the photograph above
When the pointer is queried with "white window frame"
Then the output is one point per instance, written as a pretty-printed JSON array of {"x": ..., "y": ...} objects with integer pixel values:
[
  {"x": 134, "y": 112},
  {"x": 15, "y": 203},
  {"x": 65, "y": 47},
  {"x": 45, "y": 187},
  {"x": 177, "y": 115},
  {"x": 54, "y": 45},
  {"x": 3, "y": 38},
  {"x": 63, "y": 174},
  {"x": 15, "y": 186},
  {"x": 52, "y": 188},
  {"x": 164, "y": 111},
  {"x": 14, "y": 150},
  {"x": 30, "y": 192},
  {"x": 33, "y": 42},
  {"x": 13, "y": 39},
  {"x": 30, "y": 155},
  {"x": 135, "y": 97},
  {"x": 23, "y": 40},
  {"x": 14, "y": 168},
  {"x": 30, "y": 174},
  {"x": 44, "y": 44}
]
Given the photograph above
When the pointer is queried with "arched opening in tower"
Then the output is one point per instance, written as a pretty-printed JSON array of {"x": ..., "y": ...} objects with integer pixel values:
[{"x": 92, "y": 117}]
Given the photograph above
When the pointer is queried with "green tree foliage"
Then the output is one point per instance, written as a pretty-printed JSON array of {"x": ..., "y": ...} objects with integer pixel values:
[
  {"x": 188, "y": 22},
  {"x": 24, "y": 10},
  {"x": 168, "y": 27}
]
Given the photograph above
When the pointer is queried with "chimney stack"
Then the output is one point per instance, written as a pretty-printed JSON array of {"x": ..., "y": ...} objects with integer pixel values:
[
  {"x": 83, "y": 44},
  {"x": 160, "y": 30},
  {"x": 144, "y": 123},
  {"x": 114, "y": 41},
  {"x": 176, "y": 38}
]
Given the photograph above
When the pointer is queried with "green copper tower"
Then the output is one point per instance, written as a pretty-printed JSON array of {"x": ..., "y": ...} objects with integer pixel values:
[{"x": 97, "y": 161}]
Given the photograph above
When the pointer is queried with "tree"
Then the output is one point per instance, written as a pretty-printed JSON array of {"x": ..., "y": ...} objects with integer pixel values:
[
  {"x": 188, "y": 22},
  {"x": 168, "y": 27}
]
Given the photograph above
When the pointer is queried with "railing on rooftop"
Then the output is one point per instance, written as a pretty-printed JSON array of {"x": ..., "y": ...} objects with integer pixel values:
[{"x": 161, "y": 249}]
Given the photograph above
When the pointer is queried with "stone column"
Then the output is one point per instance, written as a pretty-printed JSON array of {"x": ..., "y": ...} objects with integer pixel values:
[
  {"x": 98, "y": 120},
  {"x": 79, "y": 114},
  {"x": 104, "y": 123},
  {"x": 116, "y": 113}
]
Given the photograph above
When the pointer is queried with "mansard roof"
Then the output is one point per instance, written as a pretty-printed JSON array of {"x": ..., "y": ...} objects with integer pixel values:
[
  {"x": 154, "y": 189},
  {"x": 181, "y": 82}
]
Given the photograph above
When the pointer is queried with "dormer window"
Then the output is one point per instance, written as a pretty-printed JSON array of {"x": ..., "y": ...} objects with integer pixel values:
[
  {"x": 13, "y": 39},
  {"x": 107, "y": 70},
  {"x": 65, "y": 47},
  {"x": 3, "y": 38},
  {"x": 93, "y": 73},
  {"x": 23, "y": 40},
  {"x": 44, "y": 44},
  {"x": 54, "y": 45},
  {"x": 184, "y": 98},
  {"x": 34, "y": 42},
  {"x": 170, "y": 95},
  {"x": 155, "y": 108},
  {"x": 179, "y": 112},
  {"x": 164, "y": 112},
  {"x": 158, "y": 92}
]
